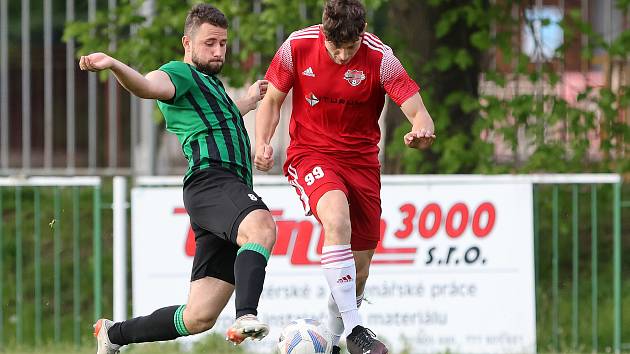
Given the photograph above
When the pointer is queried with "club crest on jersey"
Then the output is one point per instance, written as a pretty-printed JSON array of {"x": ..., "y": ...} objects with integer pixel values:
[
  {"x": 354, "y": 77},
  {"x": 312, "y": 99}
]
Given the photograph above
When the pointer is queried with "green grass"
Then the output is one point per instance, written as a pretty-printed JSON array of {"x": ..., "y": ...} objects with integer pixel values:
[{"x": 213, "y": 344}]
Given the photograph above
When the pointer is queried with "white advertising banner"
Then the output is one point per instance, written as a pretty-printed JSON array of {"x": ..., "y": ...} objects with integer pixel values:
[{"x": 454, "y": 271}]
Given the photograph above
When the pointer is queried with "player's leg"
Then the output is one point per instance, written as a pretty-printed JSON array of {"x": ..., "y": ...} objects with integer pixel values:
[
  {"x": 256, "y": 237},
  {"x": 210, "y": 289},
  {"x": 324, "y": 194},
  {"x": 337, "y": 258},
  {"x": 207, "y": 298},
  {"x": 365, "y": 217},
  {"x": 362, "y": 261},
  {"x": 222, "y": 203}
]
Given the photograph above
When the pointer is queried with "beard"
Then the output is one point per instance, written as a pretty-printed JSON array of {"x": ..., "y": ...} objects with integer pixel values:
[{"x": 211, "y": 67}]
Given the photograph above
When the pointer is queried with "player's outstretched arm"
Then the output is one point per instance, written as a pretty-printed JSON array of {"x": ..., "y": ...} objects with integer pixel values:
[
  {"x": 255, "y": 93},
  {"x": 267, "y": 118},
  {"x": 155, "y": 85},
  {"x": 422, "y": 133}
]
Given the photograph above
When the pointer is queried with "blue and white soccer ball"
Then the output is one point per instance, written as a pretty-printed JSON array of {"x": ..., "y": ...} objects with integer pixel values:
[{"x": 304, "y": 336}]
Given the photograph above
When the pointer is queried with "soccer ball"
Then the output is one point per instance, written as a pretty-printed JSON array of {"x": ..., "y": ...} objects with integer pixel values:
[{"x": 304, "y": 336}]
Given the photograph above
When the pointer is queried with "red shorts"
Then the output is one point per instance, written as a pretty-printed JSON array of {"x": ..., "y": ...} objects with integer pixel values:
[{"x": 313, "y": 175}]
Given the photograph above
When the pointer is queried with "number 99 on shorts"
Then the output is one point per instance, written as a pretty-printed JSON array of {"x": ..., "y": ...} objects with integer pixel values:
[{"x": 316, "y": 174}]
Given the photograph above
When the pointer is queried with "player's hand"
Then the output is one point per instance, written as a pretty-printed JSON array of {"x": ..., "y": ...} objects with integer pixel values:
[
  {"x": 96, "y": 62},
  {"x": 263, "y": 160},
  {"x": 419, "y": 139},
  {"x": 257, "y": 90}
]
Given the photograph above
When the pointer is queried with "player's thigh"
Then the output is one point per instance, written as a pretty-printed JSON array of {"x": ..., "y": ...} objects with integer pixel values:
[
  {"x": 365, "y": 207},
  {"x": 312, "y": 177},
  {"x": 211, "y": 281},
  {"x": 214, "y": 256},
  {"x": 218, "y": 201}
]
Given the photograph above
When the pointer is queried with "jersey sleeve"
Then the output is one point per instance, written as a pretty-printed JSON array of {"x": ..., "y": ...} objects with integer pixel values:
[
  {"x": 280, "y": 72},
  {"x": 394, "y": 78},
  {"x": 180, "y": 75}
]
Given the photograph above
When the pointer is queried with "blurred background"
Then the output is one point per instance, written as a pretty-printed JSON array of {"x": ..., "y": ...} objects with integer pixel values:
[{"x": 527, "y": 87}]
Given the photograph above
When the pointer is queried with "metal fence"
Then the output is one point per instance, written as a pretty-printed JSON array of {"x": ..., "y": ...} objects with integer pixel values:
[
  {"x": 54, "y": 118},
  {"x": 578, "y": 242},
  {"x": 53, "y": 285},
  {"x": 45, "y": 226}
]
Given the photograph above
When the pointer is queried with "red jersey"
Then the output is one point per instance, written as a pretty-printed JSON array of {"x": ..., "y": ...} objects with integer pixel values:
[{"x": 336, "y": 107}]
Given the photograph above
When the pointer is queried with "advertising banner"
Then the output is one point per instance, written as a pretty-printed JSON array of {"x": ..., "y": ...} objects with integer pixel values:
[{"x": 454, "y": 271}]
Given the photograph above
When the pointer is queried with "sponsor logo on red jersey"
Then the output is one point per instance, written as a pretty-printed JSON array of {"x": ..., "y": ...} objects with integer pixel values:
[
  {"x": 312, "y": 99},
  {"x": 354, "y": 77}
]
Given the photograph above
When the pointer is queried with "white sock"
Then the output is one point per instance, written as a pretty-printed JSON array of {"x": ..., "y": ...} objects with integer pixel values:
[
  {"x": 335, "y": 323},
  {"x": 340, "y": 272}
]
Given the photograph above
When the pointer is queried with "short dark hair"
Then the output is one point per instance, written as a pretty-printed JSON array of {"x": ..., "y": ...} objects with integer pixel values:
[
  {"x": 343, "y": 20},
  {"x": 204, "y": 13}
]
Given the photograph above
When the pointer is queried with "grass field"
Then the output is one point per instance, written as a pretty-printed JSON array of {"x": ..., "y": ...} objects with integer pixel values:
[{"x": 214, "y": 344}]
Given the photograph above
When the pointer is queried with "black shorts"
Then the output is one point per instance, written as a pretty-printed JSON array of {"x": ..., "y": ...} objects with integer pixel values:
[{"x": 217, "y": 201}]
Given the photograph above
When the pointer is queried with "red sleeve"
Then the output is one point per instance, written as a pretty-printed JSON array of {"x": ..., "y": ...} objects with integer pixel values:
[
  {"x": 280, "y": 71},
  {"x": 395, "y": 80}
]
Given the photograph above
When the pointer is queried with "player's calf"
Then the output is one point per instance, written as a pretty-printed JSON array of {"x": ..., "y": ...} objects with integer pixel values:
[
  {"x": 198, "y": 321},
  {"x": 256, "y": 237}
]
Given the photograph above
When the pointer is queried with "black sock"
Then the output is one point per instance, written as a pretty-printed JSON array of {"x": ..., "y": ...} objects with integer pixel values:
[
  {"x": 164, "y": 324},
  {"x": 249, "y": 275}
]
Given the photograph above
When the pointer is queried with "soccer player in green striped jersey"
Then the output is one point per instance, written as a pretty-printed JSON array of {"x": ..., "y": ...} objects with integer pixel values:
[{"x": 234, "y": 231}]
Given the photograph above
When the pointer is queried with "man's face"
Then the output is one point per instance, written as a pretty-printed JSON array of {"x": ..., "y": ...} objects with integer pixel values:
[
  {"x": 343, "y": 53},
  {"x": 207, "y": 48}
]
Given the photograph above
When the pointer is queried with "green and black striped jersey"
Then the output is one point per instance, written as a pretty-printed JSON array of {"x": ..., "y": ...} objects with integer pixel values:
[{"x": 206, "y": 121}]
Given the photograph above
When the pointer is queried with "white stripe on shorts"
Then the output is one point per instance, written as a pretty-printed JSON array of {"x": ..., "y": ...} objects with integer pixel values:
[{"x": 293, "y": 180}]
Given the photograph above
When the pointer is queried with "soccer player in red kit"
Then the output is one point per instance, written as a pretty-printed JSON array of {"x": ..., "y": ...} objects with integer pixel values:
[{"x": 340, "y": 75}]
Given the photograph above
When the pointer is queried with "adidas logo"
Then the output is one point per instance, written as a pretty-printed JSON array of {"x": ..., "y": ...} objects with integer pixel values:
[
  {"x": 344, "y": 279},
  {"x": 309, "y": 72}
]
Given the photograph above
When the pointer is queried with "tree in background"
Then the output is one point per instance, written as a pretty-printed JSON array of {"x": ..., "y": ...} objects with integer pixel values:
[
  {"x": 507, "y": 118},
  {"x": 148, "y": 36},
  {"x": 518, "y": 122},
  {"x": 434, "y": 39}
]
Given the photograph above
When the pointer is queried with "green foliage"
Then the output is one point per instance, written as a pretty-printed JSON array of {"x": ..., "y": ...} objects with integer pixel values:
[
  {"x": 537, "y": 129},
  {"x": 156, "y": 38}
]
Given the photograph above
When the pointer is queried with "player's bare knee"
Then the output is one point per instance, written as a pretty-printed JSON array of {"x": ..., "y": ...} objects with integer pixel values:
[
  {"x": 261, "y": 229},
  {"x": 266, "y": 235}
]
